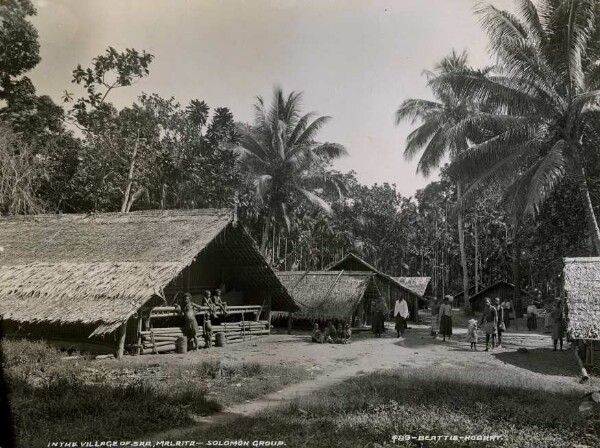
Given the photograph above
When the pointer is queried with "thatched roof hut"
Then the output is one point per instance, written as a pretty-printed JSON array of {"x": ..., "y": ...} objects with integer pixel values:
[
  {"x": 582, "y": 286},
  {"x": 419, "y": 285},
  {"x": 501, "y": 289},
  {"x": 325, "y": 295},
  {"x": 390, "y": 288},
  {"x": 95, "y": 271}
]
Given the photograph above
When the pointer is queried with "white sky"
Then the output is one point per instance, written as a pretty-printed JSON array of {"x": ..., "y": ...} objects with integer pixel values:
[{"x": 355, "y": 60}]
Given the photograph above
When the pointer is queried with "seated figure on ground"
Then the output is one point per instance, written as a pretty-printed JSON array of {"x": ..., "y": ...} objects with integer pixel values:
[{"x": 317, "y": 334}]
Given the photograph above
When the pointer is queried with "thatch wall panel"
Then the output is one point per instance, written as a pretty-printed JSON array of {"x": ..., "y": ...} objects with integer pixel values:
[
  {"x": 323, "y": 295},
  {"x": 582, "y": 286}
]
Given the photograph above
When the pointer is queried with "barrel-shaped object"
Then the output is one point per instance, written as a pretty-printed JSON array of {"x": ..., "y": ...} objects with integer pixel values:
[
  {"x": 181, "y": 345},
  {"x": 220, "y": 339}
]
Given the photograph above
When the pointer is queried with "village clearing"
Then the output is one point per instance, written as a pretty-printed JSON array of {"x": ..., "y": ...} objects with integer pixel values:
[{"x": 284, "y": 387}]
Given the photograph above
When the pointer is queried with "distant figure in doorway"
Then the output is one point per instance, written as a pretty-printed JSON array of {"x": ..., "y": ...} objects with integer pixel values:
[
  {"x": 401, "y": 313},
  {"x": 489, "y": 322},
  {"x": 446, "y": 318},
  {"x": 532, "y": 317},
  {"x": 190, "y": 327},
  {"x": 558, "y": 323},
  {"x": 472, "y": 334},
  {"x": 378, "y": 320},
  {"x": 435, "y": 317},
  {"x": 501, "y": 326},
  {"x": 317, "y": 334},
  {"x": 507, "y": 308}
]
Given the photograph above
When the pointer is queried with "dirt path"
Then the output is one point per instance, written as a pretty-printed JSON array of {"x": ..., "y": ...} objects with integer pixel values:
[{"x": 333, "y": 364}]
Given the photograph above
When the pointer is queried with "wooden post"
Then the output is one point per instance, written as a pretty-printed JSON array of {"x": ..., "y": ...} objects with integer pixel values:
[
  {"x": 121, "y": 332},
  {"x": 289, "y": 323},
  {"x": 139, "y": 333},
  {"x": 269, "y": 313}
]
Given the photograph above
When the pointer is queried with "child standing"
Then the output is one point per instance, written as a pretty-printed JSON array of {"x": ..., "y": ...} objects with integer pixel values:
[{"x": 472, "y": 334}]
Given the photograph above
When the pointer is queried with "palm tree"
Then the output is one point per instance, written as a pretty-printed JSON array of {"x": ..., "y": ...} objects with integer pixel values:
[
  {"x": 284, "y": 161},
  {"x": 438, "y": 136},
  {"x": 543, "y": 104}
]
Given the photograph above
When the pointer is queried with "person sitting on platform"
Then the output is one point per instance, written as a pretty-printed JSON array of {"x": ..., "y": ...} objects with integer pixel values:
[
  {"x": 219, "y": 303},
  {"x": 190, "y": 327},
  {"x": 208, "y": 302},
  {"x": 317, "y": 334}
]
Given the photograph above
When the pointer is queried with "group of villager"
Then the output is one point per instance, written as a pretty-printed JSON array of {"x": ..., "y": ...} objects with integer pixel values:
[{"x": 331, "y": 334}]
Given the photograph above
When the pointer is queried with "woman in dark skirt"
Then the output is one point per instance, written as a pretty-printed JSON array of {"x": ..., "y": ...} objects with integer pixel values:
[
  {"x": 446, "y": 318},
  {"x": 378, "y": 320}
]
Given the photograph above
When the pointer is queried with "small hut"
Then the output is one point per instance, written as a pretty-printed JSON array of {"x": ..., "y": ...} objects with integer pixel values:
[
  {"x": 97, "y": 282},
  {"x": 390, "y": 288},
  {"x": 501, "y": 289},
  {"x": 331, "y": 295}
]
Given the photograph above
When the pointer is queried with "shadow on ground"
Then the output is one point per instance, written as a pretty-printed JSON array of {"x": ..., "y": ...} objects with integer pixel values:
[{"x": 542, "y": 360}]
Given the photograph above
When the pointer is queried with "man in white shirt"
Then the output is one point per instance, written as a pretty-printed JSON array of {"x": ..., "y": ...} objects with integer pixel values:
[{"x": 401, "y": 313}]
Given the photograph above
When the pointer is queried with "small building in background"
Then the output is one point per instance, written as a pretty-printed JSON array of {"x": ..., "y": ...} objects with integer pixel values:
[
  {"x": 501, "y": 289},
  {"x": 342, "y": 296},
  {"x": 91, "y": 281},
  {"x": 390, "y": 288}
]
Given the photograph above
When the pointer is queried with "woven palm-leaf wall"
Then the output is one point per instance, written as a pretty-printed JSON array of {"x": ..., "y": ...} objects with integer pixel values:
[
  {"x": 324, "y": 295},
  {"x": 582, "y": 287}
]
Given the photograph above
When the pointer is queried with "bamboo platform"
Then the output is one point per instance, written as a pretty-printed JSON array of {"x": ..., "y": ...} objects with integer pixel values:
[{"x": 164, "y": 339}]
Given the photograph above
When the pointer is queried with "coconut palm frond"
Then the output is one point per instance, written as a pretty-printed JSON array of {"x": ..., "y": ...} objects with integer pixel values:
[
  {"x": 311, "y": 131},
  {"x": 433, "y": 154},
  {"x": 413, "y": 109},
  {"x": 496, "y": 178},
  {"x": 419, "y": 138},
  {"x": 316, "y": 201},
  {"x": 500, "y": 26},
  {"x": 507, "y": 144},
  {"x": 531, "y": 19},
  {"x": 330, "y": 150},
  {"x": 549, "y": 173},
  {"x": 300, "y": 127}
]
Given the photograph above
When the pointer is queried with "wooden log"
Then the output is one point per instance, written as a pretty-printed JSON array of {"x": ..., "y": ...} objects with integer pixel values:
[
  {"x": 163, "y": 308},
  {"x": 158, "y": 344},
  {"x": 164, "y": 348},
  {"x": 160, "y": 338}
]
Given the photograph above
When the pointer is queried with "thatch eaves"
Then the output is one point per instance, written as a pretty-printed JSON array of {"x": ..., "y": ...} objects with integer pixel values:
[
  {"x": 98, "y": 269},
  {"x": 354, "y": 260},
  {"x": 323, "y": 295},
  {"x": 582, "y": 287},
  {"x": 416, "y": 284}
]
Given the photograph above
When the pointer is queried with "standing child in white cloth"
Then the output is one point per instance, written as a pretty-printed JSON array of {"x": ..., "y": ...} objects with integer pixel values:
[{"x": 472, "y": 334}]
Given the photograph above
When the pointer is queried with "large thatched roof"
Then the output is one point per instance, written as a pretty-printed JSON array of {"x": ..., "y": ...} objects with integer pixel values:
[
  {"x": 353, "y": 262},
  {"x": 582, "y": 285},
  {"x": 416, "y": 284},
  {"x": 326, "y": 295},
  {"x": 98, "y": 269}
]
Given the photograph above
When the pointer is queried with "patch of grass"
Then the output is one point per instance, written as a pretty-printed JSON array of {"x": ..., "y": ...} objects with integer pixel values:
[
  {"x": 372, "y": 408},
  {"x": 56, "y": 399}
]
